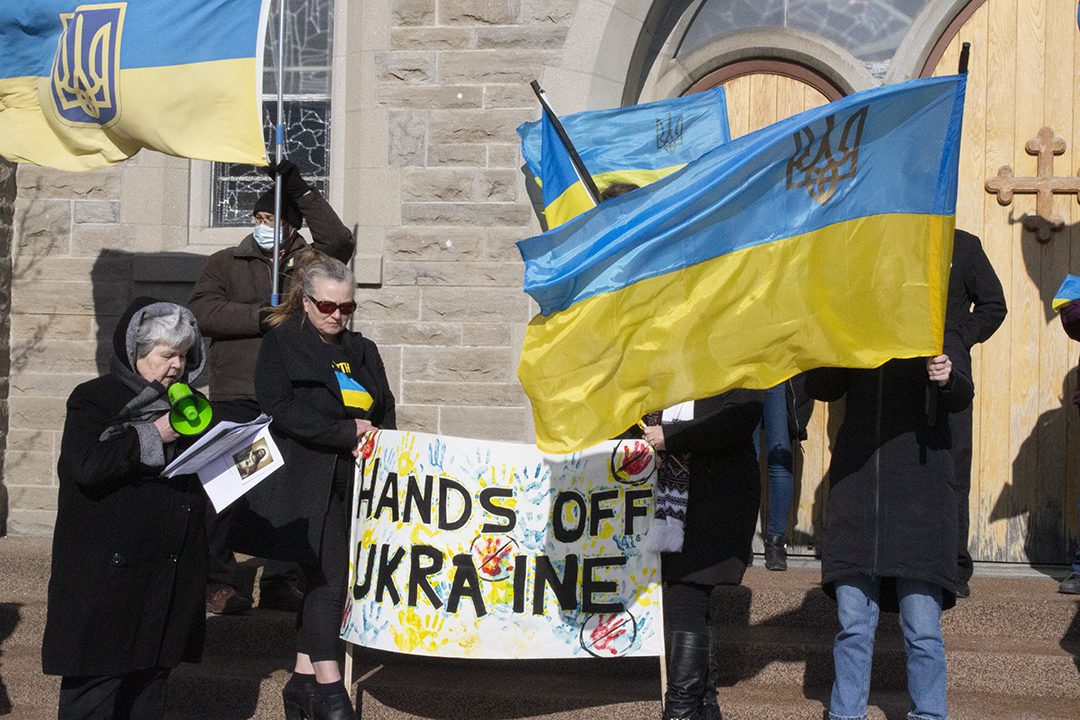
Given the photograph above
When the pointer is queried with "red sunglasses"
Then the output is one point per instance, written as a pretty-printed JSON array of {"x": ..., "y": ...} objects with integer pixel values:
[{"x": 327, "y": 308}]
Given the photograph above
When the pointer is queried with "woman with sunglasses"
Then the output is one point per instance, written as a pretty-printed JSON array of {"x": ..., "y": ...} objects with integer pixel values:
[{"x": 324, "y": 386}]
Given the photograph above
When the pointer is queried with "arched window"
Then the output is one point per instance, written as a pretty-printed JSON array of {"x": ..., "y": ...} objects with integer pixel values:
[
  {"x": 309, "y": 31},
  {"x": 871, "y": 30}
]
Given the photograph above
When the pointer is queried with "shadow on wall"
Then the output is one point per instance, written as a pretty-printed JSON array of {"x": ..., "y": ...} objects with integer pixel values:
[
  {"x": 119, "y": 276},
  {"x": 10, "y": 614},
  {"x": 1036, "y": 501}
]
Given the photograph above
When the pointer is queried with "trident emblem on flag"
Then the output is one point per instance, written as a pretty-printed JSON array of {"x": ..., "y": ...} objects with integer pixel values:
[
  {"x": 669, "y": 134},
  {"x": 822, "y": 169},
  {"x": 87, "y": 64}
]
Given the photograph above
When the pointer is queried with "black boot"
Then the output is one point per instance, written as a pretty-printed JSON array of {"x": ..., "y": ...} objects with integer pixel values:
[
  {"x": 688, "y": 673},
  {"x": 711, "y": 706},
  {"x": 331, "y": 702},
  {"x": 297, "y": 696},
  {"x": 775, "y": 553}
]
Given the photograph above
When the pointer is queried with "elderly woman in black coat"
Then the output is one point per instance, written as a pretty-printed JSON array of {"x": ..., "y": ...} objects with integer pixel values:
[
  {"x": 129, "y": 548},
  {"x": 891, "y": 523},
  {"x": 710, "y": 452},
  {"x": 325, "y": 387}
]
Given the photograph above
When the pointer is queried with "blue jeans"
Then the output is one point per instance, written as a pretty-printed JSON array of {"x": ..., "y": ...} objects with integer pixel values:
[
  {"x": 853, "y": 649},
  {"x": 774, "y": 418}
]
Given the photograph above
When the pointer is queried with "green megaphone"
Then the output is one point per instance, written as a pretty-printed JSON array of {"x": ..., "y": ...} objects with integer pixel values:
[{"x": 191, "y": 413}]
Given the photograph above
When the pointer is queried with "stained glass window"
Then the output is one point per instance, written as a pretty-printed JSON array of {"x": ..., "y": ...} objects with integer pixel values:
[
  {"x": 308, "y": 33},
  {"x": 871, "y": 30}
]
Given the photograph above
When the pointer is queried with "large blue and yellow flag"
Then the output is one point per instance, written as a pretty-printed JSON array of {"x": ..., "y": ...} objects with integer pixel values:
[
  {"x": 822, "y": 240},
  {"x": 85, "y": 85},
  {"x": 638, "y": 144}
]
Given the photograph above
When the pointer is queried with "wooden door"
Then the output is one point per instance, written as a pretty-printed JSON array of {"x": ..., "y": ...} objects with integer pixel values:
[{"x": 1025, "y": 61}]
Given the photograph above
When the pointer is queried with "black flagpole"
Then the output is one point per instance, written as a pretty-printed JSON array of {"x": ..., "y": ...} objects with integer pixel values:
[{"x": 575, "y": 159}]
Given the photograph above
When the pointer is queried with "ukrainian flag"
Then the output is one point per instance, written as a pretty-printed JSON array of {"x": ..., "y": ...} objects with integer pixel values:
[
  {"x": 353, "y": 394},
  {"x": 1069, "y": 291},
  {"x": 638, "y": 144},
  {"x": 821, "y": 241},
  {"x": 87, "y": 85}
]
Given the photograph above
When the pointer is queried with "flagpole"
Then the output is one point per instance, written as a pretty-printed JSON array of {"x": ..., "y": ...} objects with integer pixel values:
[
  {"x": 279, "y": 145},
  {"x": 575, "y": 159}
]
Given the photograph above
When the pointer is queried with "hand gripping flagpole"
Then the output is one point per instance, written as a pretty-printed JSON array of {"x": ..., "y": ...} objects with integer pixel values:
[
  {"x": 279, "y": 145},
  {"x": 575, "y": 159}
]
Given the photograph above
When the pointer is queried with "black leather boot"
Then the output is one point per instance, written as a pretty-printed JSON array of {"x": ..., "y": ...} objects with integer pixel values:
[
  {"x": 688, "y": 673},
  {"x": 335, "y": 705},
  {"x": 297, "y": 697},
  {"x": 775, "y": 553},
  {"x": 711, "y": 706}
]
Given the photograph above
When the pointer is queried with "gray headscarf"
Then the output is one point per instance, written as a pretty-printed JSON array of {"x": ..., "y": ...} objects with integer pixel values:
[{"x": 150, "y": 401}]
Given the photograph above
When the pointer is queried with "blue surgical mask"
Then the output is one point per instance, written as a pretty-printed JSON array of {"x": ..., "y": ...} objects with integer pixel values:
[{"x": 264, "y": 236}]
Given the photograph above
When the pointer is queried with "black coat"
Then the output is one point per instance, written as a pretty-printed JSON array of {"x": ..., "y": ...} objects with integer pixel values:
[
  {"x": 975, "y": 307},
  {"x": 891, "y": 510},
  {"x": 296, "y": 386},
  {"x": 725, "y": 488},
  {"x": 128, "y": 582}
]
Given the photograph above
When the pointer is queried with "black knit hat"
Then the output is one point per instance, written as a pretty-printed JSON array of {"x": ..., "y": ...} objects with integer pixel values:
[{"x": 290, "y": 212}]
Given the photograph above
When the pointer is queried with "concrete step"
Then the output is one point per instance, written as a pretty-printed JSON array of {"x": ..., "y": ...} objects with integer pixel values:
[
  {"x": 803, "y": 657},
  {"x": 255, "y": 633},
  {"x": 998, "y": 607},
  {"x": 755, "y": 701}
]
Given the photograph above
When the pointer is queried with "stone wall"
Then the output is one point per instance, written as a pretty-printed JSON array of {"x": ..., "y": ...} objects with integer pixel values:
[{"x": 450, "y": 79}]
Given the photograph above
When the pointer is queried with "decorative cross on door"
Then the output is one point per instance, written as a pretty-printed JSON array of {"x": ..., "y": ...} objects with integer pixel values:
[{"x": 1043, "y": 186}]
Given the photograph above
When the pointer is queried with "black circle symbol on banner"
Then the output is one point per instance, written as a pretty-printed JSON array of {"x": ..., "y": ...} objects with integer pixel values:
[
  {"x": 493, "y": 556},
  {"x": 608, "y": 636},
  {"x": 632, "y": 462}
]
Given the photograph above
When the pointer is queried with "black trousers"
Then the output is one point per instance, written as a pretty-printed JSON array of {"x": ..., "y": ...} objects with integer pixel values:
[
  {"x": 221, "y": 564},
  {"x": 686, "y": 607},
  {"x": 319, "y": 621},
  {"x": 960, "y": 427},
  {"x": 134, "y": 696}
]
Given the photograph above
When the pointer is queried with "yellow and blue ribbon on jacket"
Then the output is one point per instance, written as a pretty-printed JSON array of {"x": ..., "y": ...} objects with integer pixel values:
[
  {"x": 638, "y": 144},
  {"x": 822, "y": 240},
  {"x": 87, "y": 85}
]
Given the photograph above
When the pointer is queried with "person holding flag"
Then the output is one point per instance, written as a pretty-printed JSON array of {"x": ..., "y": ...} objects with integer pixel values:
[
  {"x": 230, "y": 299},
  {"x": 1067, "y": 303}
]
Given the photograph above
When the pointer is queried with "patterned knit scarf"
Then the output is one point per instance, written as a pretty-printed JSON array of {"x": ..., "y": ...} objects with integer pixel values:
[{"x": 672, "y": 495}]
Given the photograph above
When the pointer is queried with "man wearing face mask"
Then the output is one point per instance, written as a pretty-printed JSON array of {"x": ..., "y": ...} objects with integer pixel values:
[{"x": 229, "y": 300}]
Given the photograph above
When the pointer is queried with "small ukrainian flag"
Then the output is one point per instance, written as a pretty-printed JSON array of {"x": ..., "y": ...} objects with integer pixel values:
[
  {"x": 1069, "y": 291},
  {"x": 353, "y": 394},
  {"x": 87, "y": 85}
]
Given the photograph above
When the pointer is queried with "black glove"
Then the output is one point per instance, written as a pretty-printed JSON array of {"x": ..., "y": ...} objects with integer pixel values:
[
  {"x": 293, "y": 183},
  {"x": 264, "y": 326}
]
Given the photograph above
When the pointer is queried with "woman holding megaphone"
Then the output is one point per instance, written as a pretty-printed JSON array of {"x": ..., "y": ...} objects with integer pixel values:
[{"x": 128, "y": 575}]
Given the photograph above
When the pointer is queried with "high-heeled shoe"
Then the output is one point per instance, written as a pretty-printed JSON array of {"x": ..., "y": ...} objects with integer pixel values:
[
  {"x": 335, "y": 706},
  {"x": 297, "y": 696}
]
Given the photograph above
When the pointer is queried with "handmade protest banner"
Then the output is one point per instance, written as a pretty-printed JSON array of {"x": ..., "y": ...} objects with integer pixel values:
[{"x": 474, "y": 549}]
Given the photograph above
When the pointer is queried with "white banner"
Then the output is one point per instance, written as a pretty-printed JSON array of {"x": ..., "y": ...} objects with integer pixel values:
[{"x": 468, "y": 548}]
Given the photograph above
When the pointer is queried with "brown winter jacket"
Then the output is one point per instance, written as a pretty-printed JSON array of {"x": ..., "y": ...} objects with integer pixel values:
[{"x": 235, "y": 286}]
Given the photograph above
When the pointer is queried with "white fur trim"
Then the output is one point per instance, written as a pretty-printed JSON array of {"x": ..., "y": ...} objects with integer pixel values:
[{"x": 665, "y": 535}]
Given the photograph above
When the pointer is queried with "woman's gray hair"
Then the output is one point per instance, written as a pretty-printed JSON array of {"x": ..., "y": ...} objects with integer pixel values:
[
  {"x": 171, "y": 329},
  {"x": 329, "y": 268}
]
